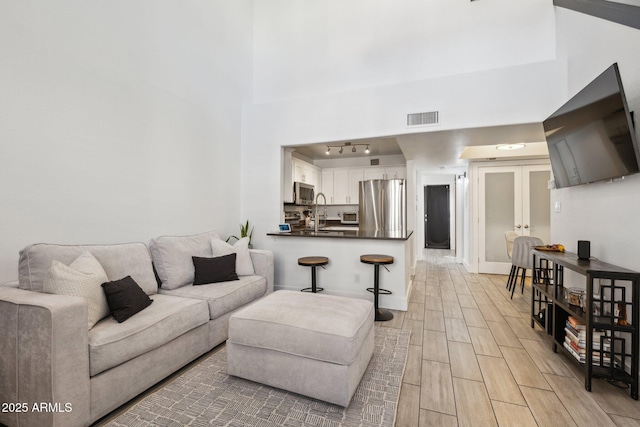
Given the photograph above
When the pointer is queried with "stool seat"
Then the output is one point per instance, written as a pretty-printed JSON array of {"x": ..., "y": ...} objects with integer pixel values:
[
  {"x": 313, "y": 262},
  {"x": 377, "y": 260},
  {"x": 310, "y": 261}
]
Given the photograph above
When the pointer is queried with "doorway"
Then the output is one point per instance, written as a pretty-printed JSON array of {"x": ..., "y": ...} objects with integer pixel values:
[
  {"x": 437, "y": 217},
  {"x": 511, "y": 198}
]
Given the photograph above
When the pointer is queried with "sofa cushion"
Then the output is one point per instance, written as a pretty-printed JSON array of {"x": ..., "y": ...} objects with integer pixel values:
[
  {"x": 172, "y": 257},
  {"x": 112, "y": 343},
  {"x": 125, "y": 298},
  {"x": 244, "y": 265},
  {"x": 118, "y": 261},
  {"x": 224, "y": 297},
  {"x": 214, "y": 270},
  {"x": 82, "y": 278}
]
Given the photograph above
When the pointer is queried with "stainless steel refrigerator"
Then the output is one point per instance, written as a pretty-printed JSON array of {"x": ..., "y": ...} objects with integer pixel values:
[{"x": 383, "y": 206}]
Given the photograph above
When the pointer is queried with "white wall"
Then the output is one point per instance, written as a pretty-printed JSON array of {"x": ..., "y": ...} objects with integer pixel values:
[
  {"x": 311, "y": 48},
  {"x": 120, "y": 120},
  {"x": 604, "y": 213}
]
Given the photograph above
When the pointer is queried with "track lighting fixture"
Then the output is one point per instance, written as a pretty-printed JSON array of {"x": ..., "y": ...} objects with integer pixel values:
[{"x": 348, "y": 144}]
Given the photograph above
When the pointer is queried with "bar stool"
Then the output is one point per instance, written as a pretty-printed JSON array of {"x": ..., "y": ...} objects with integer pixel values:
[
  {"x": 313, "y": 262},
  {"x": 377, "y": 261}
]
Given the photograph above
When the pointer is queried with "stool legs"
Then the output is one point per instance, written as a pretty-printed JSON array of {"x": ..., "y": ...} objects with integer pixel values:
[
  {"x": 381, "y": 314},
  {"x": 313, "y": 287}
]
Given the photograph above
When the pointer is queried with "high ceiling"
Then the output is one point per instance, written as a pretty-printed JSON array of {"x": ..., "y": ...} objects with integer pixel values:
[{"x": 442, "y": 149}]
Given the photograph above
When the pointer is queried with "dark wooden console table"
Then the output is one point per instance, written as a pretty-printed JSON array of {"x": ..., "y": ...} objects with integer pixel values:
[{"x": 612, "y": 313}]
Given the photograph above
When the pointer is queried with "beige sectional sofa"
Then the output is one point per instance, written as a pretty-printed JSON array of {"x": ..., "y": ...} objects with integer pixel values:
[{"x": 49, "y": 356}]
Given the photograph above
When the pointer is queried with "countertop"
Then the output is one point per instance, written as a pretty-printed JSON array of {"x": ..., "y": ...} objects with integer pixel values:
[{"x": 335, "y": 232}]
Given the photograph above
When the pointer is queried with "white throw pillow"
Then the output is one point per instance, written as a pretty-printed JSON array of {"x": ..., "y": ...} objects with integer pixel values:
[
  {"x": 83, "y": 278},
  {"x": 244, "y": 265}
]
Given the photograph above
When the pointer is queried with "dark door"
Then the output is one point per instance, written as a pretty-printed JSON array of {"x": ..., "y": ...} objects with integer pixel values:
[{"x": 436, "y": 217}]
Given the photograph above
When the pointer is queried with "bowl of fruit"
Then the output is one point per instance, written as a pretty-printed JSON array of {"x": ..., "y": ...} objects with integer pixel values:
[{"x": 556, "y": 247}]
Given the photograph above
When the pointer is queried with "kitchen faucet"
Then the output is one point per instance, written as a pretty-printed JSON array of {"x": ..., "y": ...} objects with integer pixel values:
[{"x": 317, "y": 218}]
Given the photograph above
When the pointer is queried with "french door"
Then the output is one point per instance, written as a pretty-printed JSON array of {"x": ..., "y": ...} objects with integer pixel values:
[{"x": 511, "y": 198}]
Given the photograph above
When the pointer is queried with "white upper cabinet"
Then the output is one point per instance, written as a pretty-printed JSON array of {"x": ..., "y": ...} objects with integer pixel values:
[
  {"x": 341, "y": 186},
  {"x": 305, "y": 172},
  {"x": 385, "y": 172},
  {"x": 327, "y": 185}
]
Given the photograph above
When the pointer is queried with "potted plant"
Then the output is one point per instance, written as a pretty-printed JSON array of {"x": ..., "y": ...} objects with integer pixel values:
[{"x": 244, "y": 232}]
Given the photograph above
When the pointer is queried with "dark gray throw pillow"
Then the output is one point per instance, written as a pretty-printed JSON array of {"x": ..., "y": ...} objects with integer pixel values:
[
  {"x": 125, "y": 298},
  {"x": 214, "y": 270}
]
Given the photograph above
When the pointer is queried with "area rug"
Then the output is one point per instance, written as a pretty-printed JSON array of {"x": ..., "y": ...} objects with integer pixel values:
[{"x": 206, "y": 396}]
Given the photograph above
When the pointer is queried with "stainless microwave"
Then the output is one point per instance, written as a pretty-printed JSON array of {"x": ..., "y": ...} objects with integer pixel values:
[
  {"x": 303, "y": 194},
  {"x": 350, "y": 217}
]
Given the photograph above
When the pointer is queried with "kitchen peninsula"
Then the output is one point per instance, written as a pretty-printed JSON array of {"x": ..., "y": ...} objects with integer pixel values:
[{"x": 344, "y": 274}]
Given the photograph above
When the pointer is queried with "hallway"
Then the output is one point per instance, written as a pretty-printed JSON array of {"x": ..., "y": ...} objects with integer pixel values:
[{"x": 474, "y": 359}]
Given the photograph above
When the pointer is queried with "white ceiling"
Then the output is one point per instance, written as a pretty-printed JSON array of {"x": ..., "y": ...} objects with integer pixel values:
[{"x": 442, "y": 149}]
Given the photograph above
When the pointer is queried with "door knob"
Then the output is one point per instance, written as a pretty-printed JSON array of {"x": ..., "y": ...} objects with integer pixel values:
[
  {"x": 518, "y": 226},
  {"x": 526, "y": 226}
]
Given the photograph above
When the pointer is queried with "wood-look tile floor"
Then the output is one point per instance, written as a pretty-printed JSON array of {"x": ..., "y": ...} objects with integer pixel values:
[{"x": 475, "y": 361}]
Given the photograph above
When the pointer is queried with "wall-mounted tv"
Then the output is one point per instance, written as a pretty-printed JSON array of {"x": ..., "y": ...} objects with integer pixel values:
[{"x": 592, "y": 137}]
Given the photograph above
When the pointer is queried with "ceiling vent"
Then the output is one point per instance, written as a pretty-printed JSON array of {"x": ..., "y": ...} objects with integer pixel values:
[{"x": 423, "y": 119}]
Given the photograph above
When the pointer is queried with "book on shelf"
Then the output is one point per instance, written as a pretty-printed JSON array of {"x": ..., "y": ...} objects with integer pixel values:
[
  {"x": 576, "y": 323},
  {"x": 577, "y": 347},
  {"x": 581, "y": 340},
  {"x": 576, "y": 332},
  {"x": 582, "y": 336},
  {"x": 581, "y": 357}
]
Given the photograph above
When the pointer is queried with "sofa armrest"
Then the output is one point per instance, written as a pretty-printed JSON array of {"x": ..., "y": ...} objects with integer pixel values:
[
  {"x": 263, "y": 265},
  {"x": 44, "y": 359}
]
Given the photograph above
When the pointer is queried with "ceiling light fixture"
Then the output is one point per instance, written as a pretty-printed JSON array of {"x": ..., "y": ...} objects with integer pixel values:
[
  {"x": 348, "y": 144},
  {"x": 510, "y": 147}
]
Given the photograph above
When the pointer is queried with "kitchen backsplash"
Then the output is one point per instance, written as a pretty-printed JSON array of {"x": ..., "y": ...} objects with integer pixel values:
[{"x": 333, "y": 211}]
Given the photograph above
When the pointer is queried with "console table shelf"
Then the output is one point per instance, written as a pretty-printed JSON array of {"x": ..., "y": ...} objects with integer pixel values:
[{"x": 609, "y": 319}]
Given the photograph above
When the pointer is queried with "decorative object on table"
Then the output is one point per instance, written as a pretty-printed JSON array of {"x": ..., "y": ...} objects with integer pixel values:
[
  {"x": 284, "y": 228},
  {"x": 556, "y": 247},
  {"x": 575, "y": 296},
  {"x": 244, "y": 232},
  {"x": 234, "y": 401},
  {"x": 622, "y": 313},
  {"x": 584, "y": 249}
]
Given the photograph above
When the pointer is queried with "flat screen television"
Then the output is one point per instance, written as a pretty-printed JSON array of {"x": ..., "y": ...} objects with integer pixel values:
[{"x": 592, "y": 136}]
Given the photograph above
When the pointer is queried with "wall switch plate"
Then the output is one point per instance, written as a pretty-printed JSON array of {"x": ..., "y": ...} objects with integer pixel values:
[
  {"x": 356, "y": 278},
  {"x": 557, "y": 207}
]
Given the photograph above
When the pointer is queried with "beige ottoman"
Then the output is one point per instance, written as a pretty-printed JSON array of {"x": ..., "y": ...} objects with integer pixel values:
[{"x": 311, "y": 344}]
